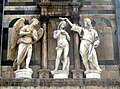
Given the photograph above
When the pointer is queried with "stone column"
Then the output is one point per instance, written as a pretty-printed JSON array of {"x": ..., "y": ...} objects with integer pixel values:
[
  {"x": 77, "y": 72},
  {"x": 44, "y": 72},
  {"x": 44, "y": 48},
  {"x": 0, "y": 53},
  {"x": 1, "y": 34},
  {"x": 117, "y": 7}
]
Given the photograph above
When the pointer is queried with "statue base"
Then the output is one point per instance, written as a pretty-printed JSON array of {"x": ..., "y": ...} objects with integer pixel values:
[
  {"x": 60, "y": 74},
  {"x": 93, "y": 74},
  {"x": 23, "y": 73}
]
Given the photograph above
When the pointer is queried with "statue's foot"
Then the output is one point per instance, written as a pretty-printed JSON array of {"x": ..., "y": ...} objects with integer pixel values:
[
  {"x": 99, "y": 69},
  {"x": 28, "y": 68},
  {"x": 18, "y": 67},
  {"x": 87, "y": 70},
  {"x": 53, "y": 71}
]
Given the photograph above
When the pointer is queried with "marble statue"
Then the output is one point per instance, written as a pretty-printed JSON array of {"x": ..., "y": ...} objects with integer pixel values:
[
  {"x": 89, "y": 41},
  {"x": 62, "y": 38},
  {"x": 21, "y": 39}
]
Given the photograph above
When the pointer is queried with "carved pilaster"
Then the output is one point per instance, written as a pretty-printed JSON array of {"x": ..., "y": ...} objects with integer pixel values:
[
  {"x": 0, "y": 53},
  {"x": 44, "y": 20},
  {"x": 75, "y": 19},
  {"x": 117, "y": 7},
  {"x": 44, "y": 48},
  {"x": 77, "y": 72},
  {"x": 44, "y": 72},
  {"x": 1, "y": 38}
]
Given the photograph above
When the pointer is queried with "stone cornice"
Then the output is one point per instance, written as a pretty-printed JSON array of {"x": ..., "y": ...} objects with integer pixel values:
[
  {"x": 63, "y": 3},
  {"x": 53, "y": 8},
  {"x": 60, "y": 82}
]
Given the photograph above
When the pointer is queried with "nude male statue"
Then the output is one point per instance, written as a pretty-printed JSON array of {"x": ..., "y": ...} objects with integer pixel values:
[{"x": 62, "y": 46}]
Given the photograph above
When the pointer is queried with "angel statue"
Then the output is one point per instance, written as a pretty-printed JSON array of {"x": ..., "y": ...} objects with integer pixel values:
[
  {"x": 89, "y": 41},
  {"x": 21, "y": 38},
  {"x": 62, "y": 38}
]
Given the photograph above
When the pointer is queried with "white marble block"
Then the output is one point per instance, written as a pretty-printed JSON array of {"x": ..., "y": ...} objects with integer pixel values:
[
  {"x": 60, "y": 74},
  {"x": 93, "y": 74},
  {"x": 23, "y": 73}
]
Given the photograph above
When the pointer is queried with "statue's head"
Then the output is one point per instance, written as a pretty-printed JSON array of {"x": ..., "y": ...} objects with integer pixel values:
[
  {"x": 87, "y": 22},
  {"x": 34, "y": 21},
  {"x": 62, "y": 25}
]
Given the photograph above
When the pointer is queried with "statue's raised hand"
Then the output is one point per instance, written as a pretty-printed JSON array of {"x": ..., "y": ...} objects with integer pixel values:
[{"x": 62, "y": 18}]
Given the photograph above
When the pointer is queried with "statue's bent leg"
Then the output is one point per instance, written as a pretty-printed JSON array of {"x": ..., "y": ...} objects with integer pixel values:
[
  {"x": 95, "y": 61},
  {"x": 84, "y": 55},
  {"x": 59, "y": 52},
  {"x": 85, "y": 61},
  {"x": 28, "y": 57},
  {"x": 66, "y": 50},
  {"x": 20, "y": 50},
  {"x": 68, "y": 64}
]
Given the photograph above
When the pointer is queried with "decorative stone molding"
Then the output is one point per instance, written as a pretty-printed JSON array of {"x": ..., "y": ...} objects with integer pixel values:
[
  {"x": 61, "y": 82},
  {"x": 64, "y": 8}
]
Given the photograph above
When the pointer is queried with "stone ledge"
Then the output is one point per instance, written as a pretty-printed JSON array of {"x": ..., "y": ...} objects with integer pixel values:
[{"x": 59, "y": 82}]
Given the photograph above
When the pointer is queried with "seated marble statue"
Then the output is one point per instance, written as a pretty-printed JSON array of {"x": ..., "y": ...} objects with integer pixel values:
[
  {"x": 89, "y": 41},
  {"x": 62, "y": 46},
  {"x": 21, "y": 39}
]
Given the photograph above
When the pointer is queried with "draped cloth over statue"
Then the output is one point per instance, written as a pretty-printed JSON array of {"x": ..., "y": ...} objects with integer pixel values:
[{"x": 21, "y": 38}]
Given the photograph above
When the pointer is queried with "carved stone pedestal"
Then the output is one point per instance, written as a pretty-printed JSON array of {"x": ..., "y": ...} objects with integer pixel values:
[
  {"x": 93, "y": 74},
  {"x": 77, "y": 74},
  {"x": 44, "y": 73},
  {"x": 59, "y": 74},
  {"x": 23, "y": 73}
]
